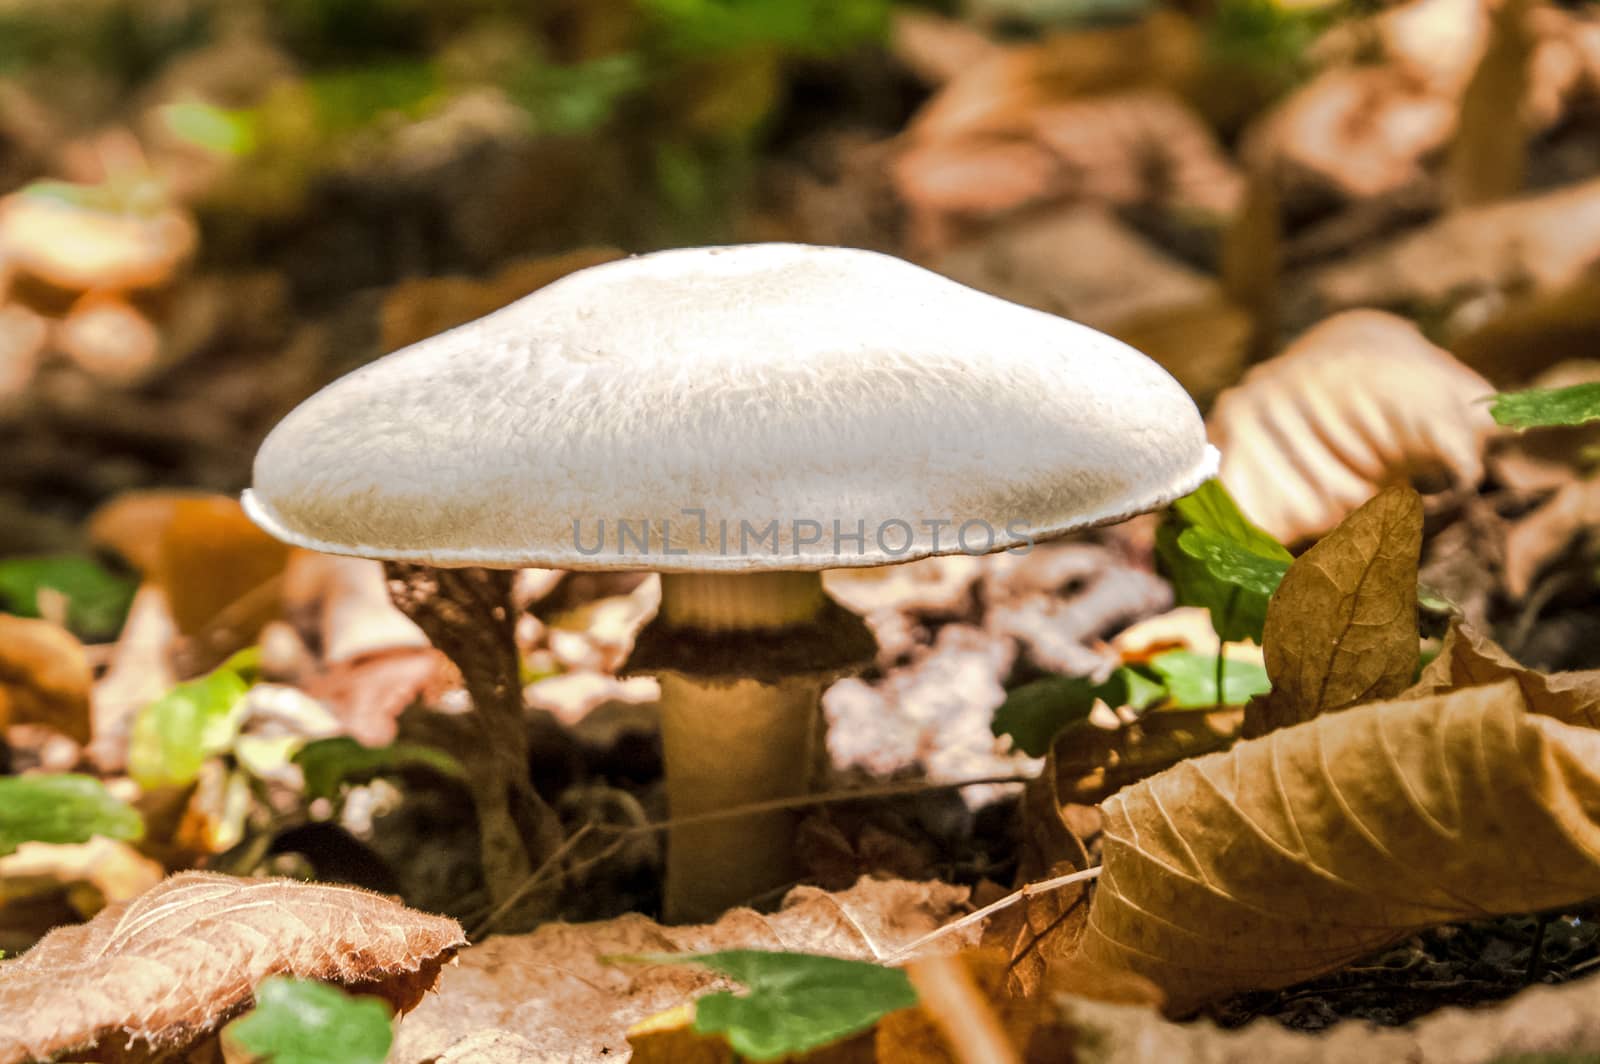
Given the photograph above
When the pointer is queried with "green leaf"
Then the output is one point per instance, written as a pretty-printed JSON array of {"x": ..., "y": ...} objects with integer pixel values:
[
  {"x": 328, "y": 764},
  {"x": 1191, "y": 679},
  {"x": 802, "y": 27},
  {"x": 63, "y": 808},
  {"x": 297, "y": 1021},
  {"x": 1035, "y": 713},
  {"x": 174, "y": 735},
  {"x": 797, "y": 1001},
  {"x": 219, "y": 130},
  {"x": 97, "y": 598},
  {"x": 578, "y": 98},
  {"x": 1542, "y": 407},
  {"x": 1218, "y": 560}
]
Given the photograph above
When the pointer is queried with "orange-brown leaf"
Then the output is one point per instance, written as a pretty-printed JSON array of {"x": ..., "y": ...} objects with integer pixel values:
[
  {"x": 1469, "y": 658},
  {"x": 44, "y": 677},
  {"x": 1342, "y": 626}
]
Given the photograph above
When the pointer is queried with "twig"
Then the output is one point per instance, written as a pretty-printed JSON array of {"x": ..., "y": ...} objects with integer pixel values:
[
  {"x": 959, "y": 1010},
  {"x": 1044, "y": 886},
  {"x": 528, "y": 884},
  {"x": 803, "y": 801}
]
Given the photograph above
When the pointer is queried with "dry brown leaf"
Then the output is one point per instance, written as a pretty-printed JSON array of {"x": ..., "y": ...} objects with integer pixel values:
[
  {"x": 220, "y": 572},
  {"x": 22, "y": 344},
  {"x": 1123, "y": 149},
  {"x": 1293, "y": 854},
  {"x": 140, "y": 672},
  {"x": 1359, "y": 400},
  {"x": 108, "y": 338},
  {"x": 1081, "y": 262},
  {"x": 1468, "y": 659},
  {"x": 417, "y": 309},
  {"x": 166, "y": 968},
  {"x": 1342, "y": 627},
  {"x": 44, "y": 677},
  {"x": 1543, "y": 535},
  {"x": 1543, "y": 1023},
  {"x": 66, "y": 883},
  {"x": 1489, "y": 155},
  {"x": 552, "y": 989},
  {"x": 134, "y": 522},
  {"x": 1473, "y": 268}
]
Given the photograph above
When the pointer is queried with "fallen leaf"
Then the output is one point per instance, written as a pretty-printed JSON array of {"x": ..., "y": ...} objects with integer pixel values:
[
  {"x": 1360, "y": 400},
  {"x": 1293, "y": 854},
  {"x": 153, "y": 975},
  {"x": 198, "y": 719},
  {"x": 61, "y": 808},
  {"x": 109, "y": 339},
  {"x": 44, "y": 884},
  {"x": 1472, "y": 269},
  {"x": 1342, "y": 627},
  {"x": 1468, "y": 658},
  {"x": 140, "y": 672},
  {"x": 219, "y": 572},
  {"x": 1541, "y": 1025},
  {"x": 44, "y": 677},
  {"x": 552, "y": 988},
  {"x": 1540, "y": 537}
]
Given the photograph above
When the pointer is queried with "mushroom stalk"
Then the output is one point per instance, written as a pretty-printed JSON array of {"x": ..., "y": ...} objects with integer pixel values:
[
  {"x": 467, "y": 614},
  {"x": 731, "y": 742}
]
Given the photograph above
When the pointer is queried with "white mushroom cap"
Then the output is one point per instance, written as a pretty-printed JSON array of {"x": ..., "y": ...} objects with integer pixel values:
[{"x": 819, "y": 388}]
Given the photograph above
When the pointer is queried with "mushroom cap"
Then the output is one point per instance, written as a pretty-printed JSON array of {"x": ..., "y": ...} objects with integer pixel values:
[{"x": 732, "y": 409}]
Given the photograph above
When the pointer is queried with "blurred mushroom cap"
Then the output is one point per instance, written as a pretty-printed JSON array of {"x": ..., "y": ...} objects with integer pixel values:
[{"x": 763, "y": 407}]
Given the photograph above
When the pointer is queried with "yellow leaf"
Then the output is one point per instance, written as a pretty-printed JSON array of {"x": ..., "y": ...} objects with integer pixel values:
[
  {"x": 1342, "y": 626},
  {"x": 1469, "y": 658},
  {"x": 1296, "y": 853}
]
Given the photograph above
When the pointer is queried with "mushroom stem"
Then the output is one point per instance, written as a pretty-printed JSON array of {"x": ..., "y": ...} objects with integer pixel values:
[
  {"x": 734, "y": 741},
  {"x": 467, "y": 614}
]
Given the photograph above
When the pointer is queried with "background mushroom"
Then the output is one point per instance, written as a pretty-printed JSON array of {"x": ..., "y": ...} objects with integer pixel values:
[{"x": 739, "y": 419}]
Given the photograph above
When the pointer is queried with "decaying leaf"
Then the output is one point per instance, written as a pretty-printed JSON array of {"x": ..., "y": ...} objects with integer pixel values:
[
  {"x": 44, "y": 677},
  {"x": 1537, "y": 539},
  {"x": 159, "y": 972},
  {"x": 1293, "y": 854},
  {"x": 1342, "y": 627},
  {"x": 552, "y": 988},
  {"x": 1359, "y": 400},
  {"x": 219, "y": 572},
  {"x": 1468, "y": 658}
]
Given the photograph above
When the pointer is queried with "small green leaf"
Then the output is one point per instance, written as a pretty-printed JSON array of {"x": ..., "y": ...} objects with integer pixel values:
[
  {"x": 97, "y": 599},
  {"x": 328, "y": 764},
  {"x": 218, "y": 130},
  {"x": 63, "y": 808},
  {"x": 797, "y": 1001},
  {"x": 1191, "y": 679},
  {"x": 1543, "y": 407},
  {"x": 174, "y": 735},
  {"x": 297, "y": 1021},
  {"x": 1217, "y": 559},
  {"x": 1035, "y": 713}
]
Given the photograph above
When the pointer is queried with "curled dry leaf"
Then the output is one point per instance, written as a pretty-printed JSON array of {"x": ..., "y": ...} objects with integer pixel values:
[
  {"x": 1293, "y": 854},
  {"x": 1543, "y": 535},
  {"x": 44, "y": 677},
  {"x": 1468, "y": 658},
  {"x": 157, "y": 973},
  {"x": 554, "y": 989},
  {"x": 1123, "y": 149},
  {"x": 1361, "y": 399},
  {"x": 1342, "y": 626}
]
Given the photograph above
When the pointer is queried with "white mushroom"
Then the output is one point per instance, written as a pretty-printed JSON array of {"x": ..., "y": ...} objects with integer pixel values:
[{"x": 738, "y": 419}]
